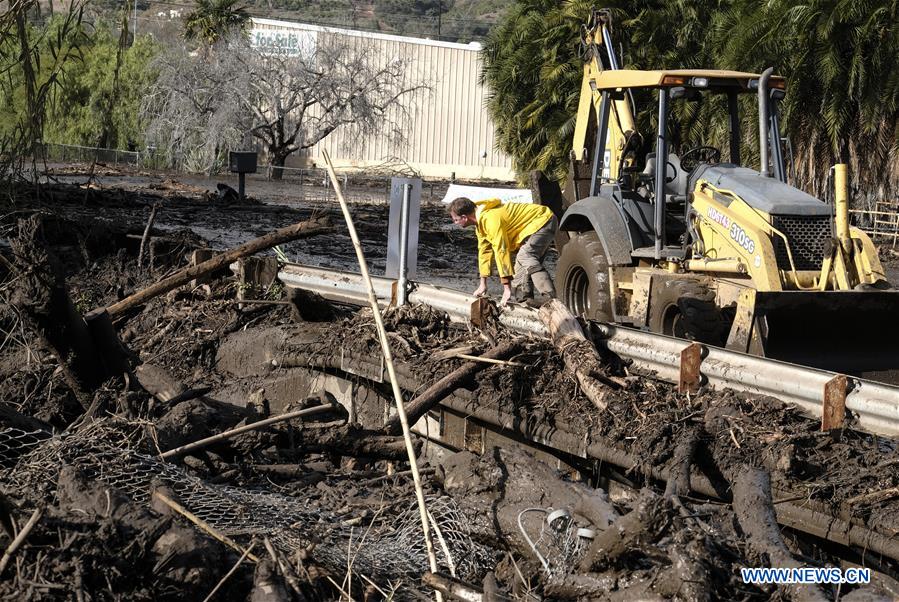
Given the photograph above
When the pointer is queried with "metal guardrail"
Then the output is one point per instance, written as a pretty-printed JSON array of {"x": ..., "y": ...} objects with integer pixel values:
[{"x": 875, "y": 404}]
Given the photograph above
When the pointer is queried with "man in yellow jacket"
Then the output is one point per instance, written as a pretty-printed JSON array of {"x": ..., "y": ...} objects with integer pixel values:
[{"x": 504, "y": 229}]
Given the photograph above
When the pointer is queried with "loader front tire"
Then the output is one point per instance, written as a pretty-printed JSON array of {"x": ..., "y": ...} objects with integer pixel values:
[
  {"x": 686, "y": 309},
  {"x": 582, "y": 277}
]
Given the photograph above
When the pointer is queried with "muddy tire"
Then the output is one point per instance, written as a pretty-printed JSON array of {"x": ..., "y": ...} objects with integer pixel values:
[
  {"x": 686, "y": 309},
  {"x": 582, "y": 277}
]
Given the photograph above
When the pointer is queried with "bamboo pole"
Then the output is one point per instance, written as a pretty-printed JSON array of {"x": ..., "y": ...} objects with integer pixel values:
[
  {"x": 243, "y": 429},
  {"x": 487, "y": 360},
  {"x": 388, "y": 359}
]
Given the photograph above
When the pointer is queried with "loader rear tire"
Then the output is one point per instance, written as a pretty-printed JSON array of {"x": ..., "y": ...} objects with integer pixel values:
[
  {"x": 686, "y": 309},
  {"x": 582, "y": 277}
]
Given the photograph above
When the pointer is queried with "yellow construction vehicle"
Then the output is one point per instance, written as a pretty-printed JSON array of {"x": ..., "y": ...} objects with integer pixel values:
[{"x": 711, "y": 250}]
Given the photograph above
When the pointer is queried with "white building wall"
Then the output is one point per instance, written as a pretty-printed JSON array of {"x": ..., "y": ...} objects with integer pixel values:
[{"x": 448, "y": 129}]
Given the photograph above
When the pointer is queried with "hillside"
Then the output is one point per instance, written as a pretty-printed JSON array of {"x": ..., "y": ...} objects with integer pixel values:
[
  {"x": 453, "y": 20},
  {"x": 450, "y": 20}
]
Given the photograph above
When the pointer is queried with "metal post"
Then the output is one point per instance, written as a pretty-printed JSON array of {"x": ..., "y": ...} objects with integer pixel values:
[
  {"x": 734, "y": 125},
  {"x": 763, "y": 121},
  {"x": 661, "y": 172},
  {"x": 841, "y": 201},
  {"x": 777, "y": 155},
  {"x": 599, "y": 148},
  {"x": 404, "y": 246},
  {"x": 240, "y": 185}
]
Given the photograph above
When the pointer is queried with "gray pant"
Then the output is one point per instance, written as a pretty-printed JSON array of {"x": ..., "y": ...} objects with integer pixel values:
[{"x": 529, "y": 261}]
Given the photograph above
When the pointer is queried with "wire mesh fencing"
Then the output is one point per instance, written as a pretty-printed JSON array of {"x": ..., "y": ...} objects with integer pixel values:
[
  {"x": 388, "y": 551},
  {"x": 881, "y": 222}
]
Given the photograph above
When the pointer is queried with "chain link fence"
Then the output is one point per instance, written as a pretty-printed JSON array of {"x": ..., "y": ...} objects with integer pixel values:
[
  {"x": 388, "y": 551},
  {"x": 372, "y": 186}
]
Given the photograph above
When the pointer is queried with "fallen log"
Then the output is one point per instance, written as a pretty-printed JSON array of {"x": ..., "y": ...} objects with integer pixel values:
[
  {"x": 625, "y": 533},
  {"x": 679, "y": 469},
  {"x": 351, "y": 440},
  {"x": 580, "y": 355},
  {"x": 300, "y": 230},
  {"x": 755, "y": 513},
  {"x": 431, "y": 396}
]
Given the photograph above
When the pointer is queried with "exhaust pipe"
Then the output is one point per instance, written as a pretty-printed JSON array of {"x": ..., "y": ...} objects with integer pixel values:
[{"x": 763, "y": 120}]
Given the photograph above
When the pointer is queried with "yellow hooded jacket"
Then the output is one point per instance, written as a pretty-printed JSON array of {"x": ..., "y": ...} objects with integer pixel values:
[{"x": 502, "y": 228}]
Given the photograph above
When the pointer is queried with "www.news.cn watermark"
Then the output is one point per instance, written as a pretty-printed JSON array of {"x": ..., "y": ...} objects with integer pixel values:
[{"x": 781, "y": 576}]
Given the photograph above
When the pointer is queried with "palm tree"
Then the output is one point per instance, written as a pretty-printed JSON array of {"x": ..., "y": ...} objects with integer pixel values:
[
  {"x": 842, "y": 101},
  {"x": 532, "y": 65},
  {"x": 213, "y": 20},
  {"x": 532, "y": 68}
]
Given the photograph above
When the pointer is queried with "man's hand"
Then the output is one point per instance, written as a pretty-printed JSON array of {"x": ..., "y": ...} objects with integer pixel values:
[
  {"x": 482, "y": 289},
  {"x": 507, "y": 294}
]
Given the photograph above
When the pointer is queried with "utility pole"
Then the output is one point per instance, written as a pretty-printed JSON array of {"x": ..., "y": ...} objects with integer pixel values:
[
  {"x": 439, "y": 16},
  {"x": 135, "y": 22}
]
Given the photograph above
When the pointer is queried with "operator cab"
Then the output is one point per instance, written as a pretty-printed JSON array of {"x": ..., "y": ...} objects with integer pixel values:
[{"x": 629, "y": 171}]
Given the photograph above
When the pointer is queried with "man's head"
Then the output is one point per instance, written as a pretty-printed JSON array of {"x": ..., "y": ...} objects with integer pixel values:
[{"x": 462, "y": 210}]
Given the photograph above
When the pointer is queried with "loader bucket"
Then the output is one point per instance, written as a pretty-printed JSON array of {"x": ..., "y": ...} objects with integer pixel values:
[{"x": 851, "y": 332}]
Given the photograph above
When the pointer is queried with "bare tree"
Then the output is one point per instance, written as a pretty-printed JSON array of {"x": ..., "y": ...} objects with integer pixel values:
[
  {"x": 192, "y": 111},
  {"x": 288, "y": 99}
]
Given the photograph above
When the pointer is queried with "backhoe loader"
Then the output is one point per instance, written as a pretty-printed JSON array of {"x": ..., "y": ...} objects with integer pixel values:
[{"x": 681, "y": 242}]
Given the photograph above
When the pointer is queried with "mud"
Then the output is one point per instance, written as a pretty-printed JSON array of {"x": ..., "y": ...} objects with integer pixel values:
[{"x": 318, "y": 488}]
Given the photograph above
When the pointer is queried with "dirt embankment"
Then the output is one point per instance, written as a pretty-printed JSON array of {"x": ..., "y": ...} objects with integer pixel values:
[{"x": 309, "y": 506}]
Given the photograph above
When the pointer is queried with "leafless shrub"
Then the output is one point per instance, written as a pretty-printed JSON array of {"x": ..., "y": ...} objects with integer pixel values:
[{"x": 206, "y": 103}]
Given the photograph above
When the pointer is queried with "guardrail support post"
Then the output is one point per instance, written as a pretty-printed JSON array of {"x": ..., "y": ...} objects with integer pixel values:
[
  {"x": 833, "y": 411},
  {"x": 690, "y": 361},
  {"x": 480, "y": 311}
]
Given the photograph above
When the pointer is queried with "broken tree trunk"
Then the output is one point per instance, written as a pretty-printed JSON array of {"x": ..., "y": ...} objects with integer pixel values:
[
  {"x": 431, "y": 396},
  {"x": 580, "y": 355},
  {"x": 755, "y": 512},
  {"x": 300, "y": 230},
  {"x": 351, "y": 440},
  {"x": 679, "y": 469},
  {"x": 40, "y": 295},
  {"x": 146, "y": 236},
  {"x": 625, "y": 533}
]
